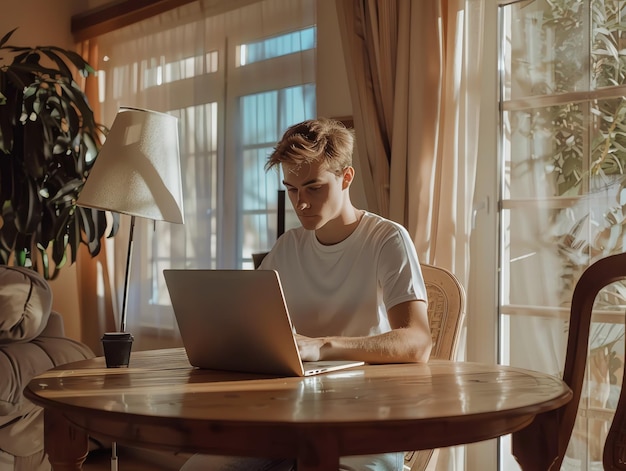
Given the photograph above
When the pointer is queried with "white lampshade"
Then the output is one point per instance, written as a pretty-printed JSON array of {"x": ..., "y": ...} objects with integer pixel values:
[{"x": 137, "y": 171}]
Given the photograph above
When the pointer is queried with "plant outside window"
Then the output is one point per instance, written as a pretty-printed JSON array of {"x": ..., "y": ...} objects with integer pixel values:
[{"x": 563, "y": 154}]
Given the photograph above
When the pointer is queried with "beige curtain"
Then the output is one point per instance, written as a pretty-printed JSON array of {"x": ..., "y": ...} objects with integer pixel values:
[
  {"x": 414, "y": 69},
  {"x": 93, "y": 281},
  {"x": 414, "y": 95}
]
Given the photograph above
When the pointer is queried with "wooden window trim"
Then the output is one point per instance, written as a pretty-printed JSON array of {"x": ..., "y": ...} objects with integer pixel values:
[{"x": 118, "y": 14}]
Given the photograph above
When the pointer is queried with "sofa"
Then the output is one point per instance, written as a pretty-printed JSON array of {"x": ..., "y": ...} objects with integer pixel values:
[{"x": 32, "y": 341}]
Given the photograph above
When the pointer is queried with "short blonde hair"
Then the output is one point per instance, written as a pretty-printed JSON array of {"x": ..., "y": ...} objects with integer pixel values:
[{"x": 315, "y": 140}]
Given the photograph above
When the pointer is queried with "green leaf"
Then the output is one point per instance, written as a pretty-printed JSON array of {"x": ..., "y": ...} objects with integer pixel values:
[
  {"x": 22, "y": 205},
  {"x": 6, "y": 37},
  {"x": 75, "y": 59},
  {"x": 58, "y": 60},
  {"x": 59, "y": 250}
]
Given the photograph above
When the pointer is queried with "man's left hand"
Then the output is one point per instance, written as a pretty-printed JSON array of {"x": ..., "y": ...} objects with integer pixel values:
[{"x": 310, "y": 348}]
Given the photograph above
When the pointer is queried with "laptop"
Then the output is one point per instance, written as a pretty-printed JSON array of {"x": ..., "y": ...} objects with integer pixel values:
[{"x": 237, "y": 320}]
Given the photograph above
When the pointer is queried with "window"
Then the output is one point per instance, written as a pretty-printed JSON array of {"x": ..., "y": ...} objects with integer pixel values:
[
  {"x": 275, "y": 47},
  {"x": 259, "y": 201},
  {"x": 563, "y": 158},
  {"x": 236, "y": 81}
]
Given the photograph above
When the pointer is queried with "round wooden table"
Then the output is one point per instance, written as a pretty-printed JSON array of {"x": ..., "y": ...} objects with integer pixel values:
[{"x": 161, "y": 402}]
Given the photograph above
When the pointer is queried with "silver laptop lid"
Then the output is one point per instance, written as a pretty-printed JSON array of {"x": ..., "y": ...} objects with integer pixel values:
[{"x": 234, "y": 320}]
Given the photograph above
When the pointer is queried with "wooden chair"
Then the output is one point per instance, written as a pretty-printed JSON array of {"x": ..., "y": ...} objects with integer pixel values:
[
  {"x": 446, "y": 313},
  {"x": 542, "y": 445},
  {"x": 257, "y": 258}
]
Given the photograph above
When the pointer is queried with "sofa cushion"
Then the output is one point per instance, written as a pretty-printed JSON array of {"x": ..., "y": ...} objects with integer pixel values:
[
  {"x": 20, "y": 420},
  {"x": 25, "y": 304},
  {"x": 21, "y": 361}
]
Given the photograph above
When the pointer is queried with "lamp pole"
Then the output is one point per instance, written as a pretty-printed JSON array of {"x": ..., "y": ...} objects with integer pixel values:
[{"x": 127, "y": 275}]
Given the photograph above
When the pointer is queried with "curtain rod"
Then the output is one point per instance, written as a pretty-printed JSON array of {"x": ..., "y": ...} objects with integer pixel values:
[{"x": 118, "y": 14}]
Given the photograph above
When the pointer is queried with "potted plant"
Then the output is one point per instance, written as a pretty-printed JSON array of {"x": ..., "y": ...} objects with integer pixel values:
[{"x": 48, "y": 143}]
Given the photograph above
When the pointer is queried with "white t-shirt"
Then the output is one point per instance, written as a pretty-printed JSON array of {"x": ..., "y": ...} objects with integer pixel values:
[{"x": 346, "y": 289}]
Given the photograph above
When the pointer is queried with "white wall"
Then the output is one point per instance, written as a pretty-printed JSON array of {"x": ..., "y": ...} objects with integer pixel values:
[{"x": 40, "y": 22}]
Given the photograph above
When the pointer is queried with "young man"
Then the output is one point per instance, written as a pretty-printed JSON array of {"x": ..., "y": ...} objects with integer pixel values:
[{"x": 352, "y": 279}]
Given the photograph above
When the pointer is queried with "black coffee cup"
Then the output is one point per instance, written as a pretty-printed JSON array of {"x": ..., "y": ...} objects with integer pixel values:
[{"x": 117, "y": 347}]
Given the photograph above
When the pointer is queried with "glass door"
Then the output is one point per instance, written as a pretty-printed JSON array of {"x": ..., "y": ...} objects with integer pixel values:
[{"x": 562, "y": 154}]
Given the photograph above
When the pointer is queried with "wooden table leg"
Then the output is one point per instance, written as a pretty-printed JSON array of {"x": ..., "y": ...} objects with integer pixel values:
[
  {"x": 67, "y": 447},
  {"x": 318, "y": 453},
  {"x": 537, "y": 445}
]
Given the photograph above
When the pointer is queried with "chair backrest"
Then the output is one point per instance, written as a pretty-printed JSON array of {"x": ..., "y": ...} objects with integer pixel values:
[
  {"x": 446, "y": 314},
  {"x": 542, "y": 445},
  {"x": 257, "y": 258},
  {"x": 446, "y": 310}
]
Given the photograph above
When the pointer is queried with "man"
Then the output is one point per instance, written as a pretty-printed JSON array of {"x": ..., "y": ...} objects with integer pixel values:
[{"x": 352, "y": 279}]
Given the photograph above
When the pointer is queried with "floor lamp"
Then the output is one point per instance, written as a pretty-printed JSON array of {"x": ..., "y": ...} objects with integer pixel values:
[{"x": 137, "y": 172}]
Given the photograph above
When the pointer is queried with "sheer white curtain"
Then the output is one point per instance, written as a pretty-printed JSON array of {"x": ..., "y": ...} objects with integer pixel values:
[{"x": 187, "y": 62}]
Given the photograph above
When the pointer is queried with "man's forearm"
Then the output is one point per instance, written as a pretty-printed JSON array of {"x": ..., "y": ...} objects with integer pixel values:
[{"x": 403, "y": 345}]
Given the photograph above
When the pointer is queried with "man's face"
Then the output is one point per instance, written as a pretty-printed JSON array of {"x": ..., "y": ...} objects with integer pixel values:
[{"x": 316, "y": 194}]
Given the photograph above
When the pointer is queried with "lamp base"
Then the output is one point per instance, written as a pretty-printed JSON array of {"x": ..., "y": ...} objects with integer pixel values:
[{"x": 117, "y": 347}]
